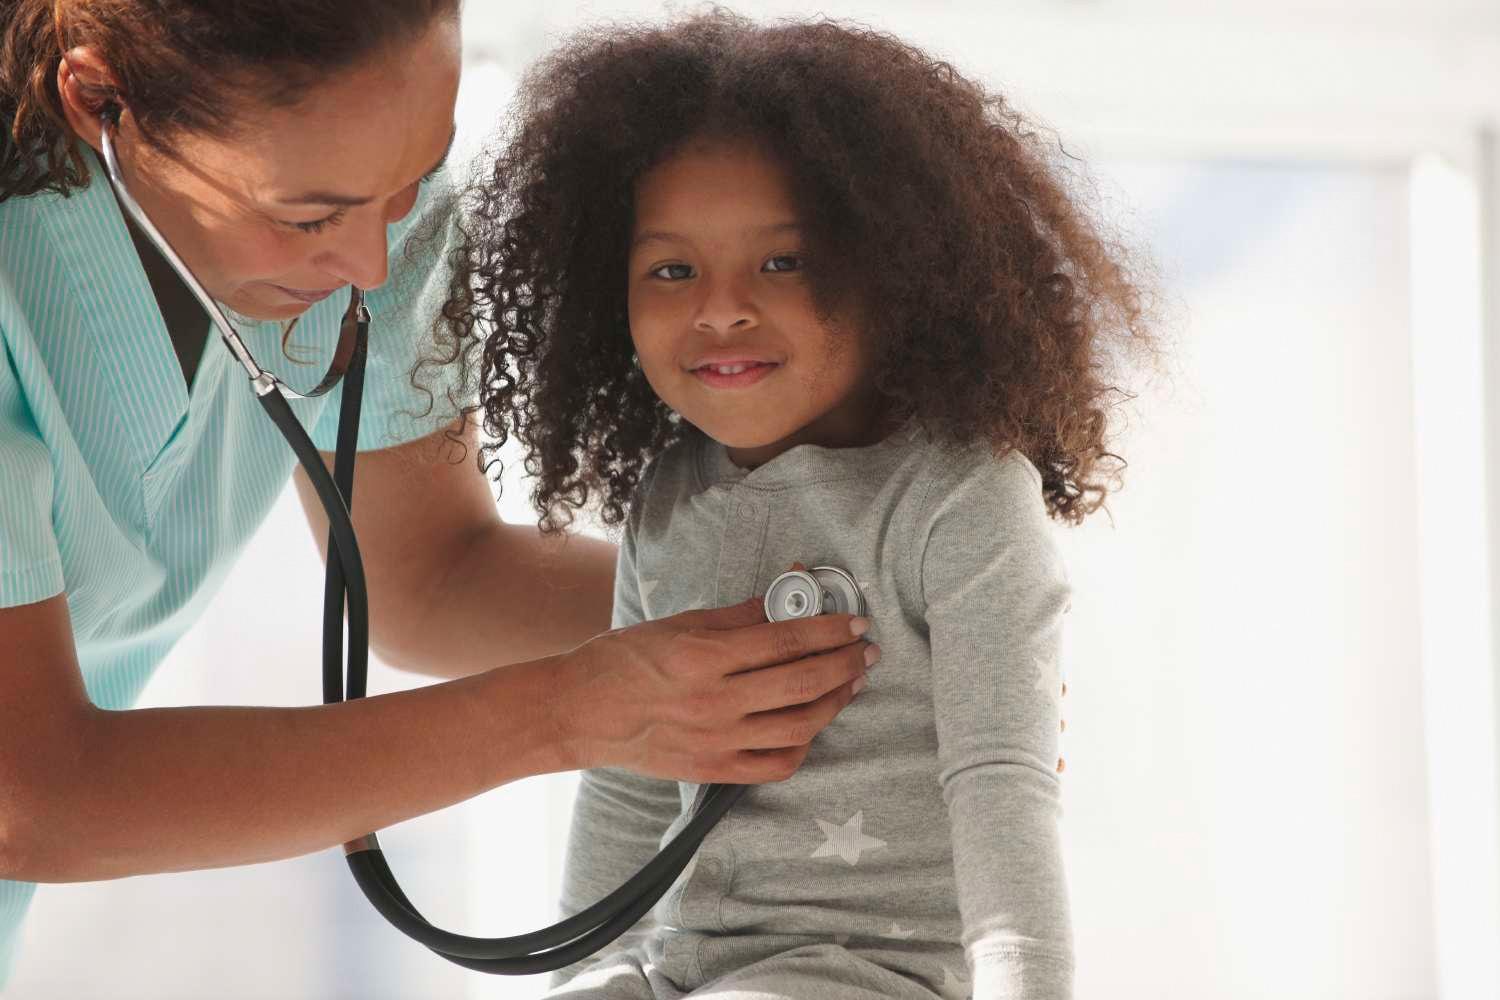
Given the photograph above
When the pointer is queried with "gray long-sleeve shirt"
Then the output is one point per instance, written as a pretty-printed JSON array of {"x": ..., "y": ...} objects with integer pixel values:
[{"x": 922, "y": 829}]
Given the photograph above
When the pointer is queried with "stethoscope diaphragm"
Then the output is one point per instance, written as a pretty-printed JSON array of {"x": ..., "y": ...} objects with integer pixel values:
[{"x": 822, "y": 590}]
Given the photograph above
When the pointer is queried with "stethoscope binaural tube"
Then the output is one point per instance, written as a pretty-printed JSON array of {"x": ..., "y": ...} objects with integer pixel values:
[{"x": 344, "y": 677}]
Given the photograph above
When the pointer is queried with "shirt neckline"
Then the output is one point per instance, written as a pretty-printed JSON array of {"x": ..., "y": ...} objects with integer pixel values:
[{"x": 801, "y": 465}]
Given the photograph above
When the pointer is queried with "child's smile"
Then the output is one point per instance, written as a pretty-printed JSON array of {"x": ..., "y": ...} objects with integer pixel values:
[
  {"x": 736, "y": 372},
  {"x": 722, "y": 314}
]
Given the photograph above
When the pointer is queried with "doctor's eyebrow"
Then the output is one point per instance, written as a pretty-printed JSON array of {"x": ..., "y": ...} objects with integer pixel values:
[{"x": 332, "y": 198}]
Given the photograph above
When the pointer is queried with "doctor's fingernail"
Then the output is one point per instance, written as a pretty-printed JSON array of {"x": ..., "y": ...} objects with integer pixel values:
[
  {"x": 872, "y": 655},
  {"x": 859, "y": 626},
  {"x": 859, "y": 684}
]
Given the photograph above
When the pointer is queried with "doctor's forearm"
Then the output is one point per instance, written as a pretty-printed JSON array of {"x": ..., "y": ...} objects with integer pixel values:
[
  {"x": 506, "y": 596},
  {"x": 177, "y": 789}
]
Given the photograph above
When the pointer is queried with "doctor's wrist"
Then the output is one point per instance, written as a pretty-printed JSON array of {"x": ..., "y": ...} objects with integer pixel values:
[
  {"x": 531, "y": 723},
  {"x": 559, "y": 702}
]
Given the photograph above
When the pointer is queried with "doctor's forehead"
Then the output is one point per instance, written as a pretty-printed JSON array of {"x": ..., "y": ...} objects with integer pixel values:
[{"x": 361, "y": 134}]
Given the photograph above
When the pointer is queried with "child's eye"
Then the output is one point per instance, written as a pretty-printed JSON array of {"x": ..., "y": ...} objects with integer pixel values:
[
  {"x": 673, "y": 272},
  {"x": 783, "y": 262},
  {"x": 318, "y": 225}
]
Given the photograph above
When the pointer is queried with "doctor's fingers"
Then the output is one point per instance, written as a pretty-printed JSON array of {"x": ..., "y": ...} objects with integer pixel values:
[
  {"x": 800, "y": 682},
  {"x": 741, "y": 615},
  {"x": 797, "y": 726},
  {"x": 770, "y": 643}
]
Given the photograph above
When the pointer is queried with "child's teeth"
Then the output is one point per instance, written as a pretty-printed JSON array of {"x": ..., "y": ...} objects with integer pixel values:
[{"x": 731, "y": 369}]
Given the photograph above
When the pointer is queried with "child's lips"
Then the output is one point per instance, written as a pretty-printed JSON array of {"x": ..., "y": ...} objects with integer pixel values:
[{"x": 734, "y": 375}]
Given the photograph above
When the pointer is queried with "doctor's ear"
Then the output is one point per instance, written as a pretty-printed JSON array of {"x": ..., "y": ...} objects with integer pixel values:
[{"x": 87, "y": 89}]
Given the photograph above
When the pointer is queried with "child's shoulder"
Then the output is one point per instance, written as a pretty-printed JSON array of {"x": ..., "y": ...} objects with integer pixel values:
[
  {"x": 987, "y": 509},
  {"x": 676, "y": 466},
  {"x": 668, "y": 477},
  {"x": 977, "y": 474}
]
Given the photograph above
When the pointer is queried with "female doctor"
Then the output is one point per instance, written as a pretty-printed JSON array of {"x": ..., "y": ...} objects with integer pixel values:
[{"x": 282, "y": 147}]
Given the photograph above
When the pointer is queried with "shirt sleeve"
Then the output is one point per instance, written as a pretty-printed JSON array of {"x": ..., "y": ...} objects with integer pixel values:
[
  {"x": 995, "y": 593},
  {"x": 401, "y": 402},
  {"x": 619, "y": 817},
  {"x": 30, "y": 562}
]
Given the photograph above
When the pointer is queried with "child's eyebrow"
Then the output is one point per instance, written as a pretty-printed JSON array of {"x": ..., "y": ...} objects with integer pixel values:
[
  {"x": 665, "y": 236},
  {"x": 655, "y": 236}
]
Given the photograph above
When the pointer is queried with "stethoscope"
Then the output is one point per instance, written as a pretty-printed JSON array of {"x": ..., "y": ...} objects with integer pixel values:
[{"x": 796, "y": 594}]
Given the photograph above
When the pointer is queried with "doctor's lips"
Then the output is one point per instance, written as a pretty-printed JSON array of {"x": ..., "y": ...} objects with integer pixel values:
[
  {"x": 724, "y": 370},
  {"x": 303, "y": 295}
]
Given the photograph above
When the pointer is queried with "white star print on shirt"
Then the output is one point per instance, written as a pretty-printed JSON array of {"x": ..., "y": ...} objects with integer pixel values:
[
  {"x": 900, "y": 933},
  {"x": 847, "y": 841}
]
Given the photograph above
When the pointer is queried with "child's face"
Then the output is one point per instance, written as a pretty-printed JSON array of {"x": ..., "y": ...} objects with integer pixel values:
[{"x": 722, "y": 314}]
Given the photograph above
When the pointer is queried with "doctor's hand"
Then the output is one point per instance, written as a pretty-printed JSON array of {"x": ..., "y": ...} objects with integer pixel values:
[{"x": 719, "y": 695}]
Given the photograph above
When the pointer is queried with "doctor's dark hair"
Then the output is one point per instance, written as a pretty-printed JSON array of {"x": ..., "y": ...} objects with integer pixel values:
[
  {"x": 180, "y": 66},
  {"x": 957, "y": 237}
]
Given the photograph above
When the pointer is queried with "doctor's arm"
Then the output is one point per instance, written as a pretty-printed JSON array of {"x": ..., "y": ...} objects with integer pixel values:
[
  {"x": 88, "y": 793},
  {"x": 454, "y": 589}
]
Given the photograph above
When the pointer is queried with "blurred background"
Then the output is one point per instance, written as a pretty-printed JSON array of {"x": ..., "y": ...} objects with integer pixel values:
[{"x": 1282, "y": 755}]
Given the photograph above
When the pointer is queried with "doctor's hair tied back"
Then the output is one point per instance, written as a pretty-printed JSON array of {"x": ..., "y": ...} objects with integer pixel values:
[{"x": 180, "y": 68}]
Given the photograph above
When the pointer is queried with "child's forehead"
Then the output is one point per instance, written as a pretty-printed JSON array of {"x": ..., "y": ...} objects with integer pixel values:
[{"x": 728, "y": 187}]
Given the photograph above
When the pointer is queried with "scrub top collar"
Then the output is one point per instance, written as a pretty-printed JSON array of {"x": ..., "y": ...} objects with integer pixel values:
[{"x": 129, "y": 337}]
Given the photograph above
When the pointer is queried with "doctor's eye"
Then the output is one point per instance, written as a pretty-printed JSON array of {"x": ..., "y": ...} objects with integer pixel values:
[
  {"x": 784, "y": 262},
  {"x": 672, "y": 272},
  {"x": 318, "y": 225}
]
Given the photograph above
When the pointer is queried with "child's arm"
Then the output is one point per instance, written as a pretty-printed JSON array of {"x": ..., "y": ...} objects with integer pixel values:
[
  {"x": 619, "y": 817},
  {"x": 995, "y": 593}
]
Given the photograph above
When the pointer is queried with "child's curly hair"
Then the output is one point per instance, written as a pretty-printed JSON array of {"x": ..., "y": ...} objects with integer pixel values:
[{"x": 988, "y": 295}]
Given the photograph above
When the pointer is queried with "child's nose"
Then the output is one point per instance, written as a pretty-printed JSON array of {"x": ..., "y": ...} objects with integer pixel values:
[{"x": 724, "y": 308}]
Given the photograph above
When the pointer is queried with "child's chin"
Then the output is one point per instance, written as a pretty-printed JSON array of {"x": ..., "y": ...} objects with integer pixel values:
[{"x": 726, "y": 434}]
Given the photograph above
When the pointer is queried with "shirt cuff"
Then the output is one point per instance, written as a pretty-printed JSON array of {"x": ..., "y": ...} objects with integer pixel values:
[
  {"x": 29, "y": 584},
  {"x": 1011, "y": 971}
]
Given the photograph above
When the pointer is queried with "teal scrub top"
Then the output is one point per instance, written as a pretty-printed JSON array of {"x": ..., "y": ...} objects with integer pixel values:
[{"x": 129, "y": 493}]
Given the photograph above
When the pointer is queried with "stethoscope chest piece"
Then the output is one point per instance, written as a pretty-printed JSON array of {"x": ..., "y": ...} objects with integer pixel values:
[{"x": 822, "y": 590}]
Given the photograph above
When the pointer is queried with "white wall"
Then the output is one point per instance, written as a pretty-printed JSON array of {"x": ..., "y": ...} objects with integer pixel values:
[{"x": 1246, "y": 792}]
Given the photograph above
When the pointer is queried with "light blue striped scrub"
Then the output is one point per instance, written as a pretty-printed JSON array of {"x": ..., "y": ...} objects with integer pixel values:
[{"x": 121, "y": 488}]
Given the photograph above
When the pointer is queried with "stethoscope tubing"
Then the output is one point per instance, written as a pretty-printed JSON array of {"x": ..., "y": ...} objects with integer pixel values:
[{"x": 554, "y": 947}]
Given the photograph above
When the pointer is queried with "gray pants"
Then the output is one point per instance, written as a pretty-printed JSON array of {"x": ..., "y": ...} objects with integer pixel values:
[{"x": 811, "y": 972}]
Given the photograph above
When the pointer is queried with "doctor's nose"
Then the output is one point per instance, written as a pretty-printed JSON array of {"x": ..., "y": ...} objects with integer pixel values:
[
  {"x": 725, "y": 307},
  {"x": 361, "y": 258}
]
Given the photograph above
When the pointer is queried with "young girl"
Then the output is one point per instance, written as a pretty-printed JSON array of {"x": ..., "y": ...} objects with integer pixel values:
[{"x": 802, "y": 293}]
